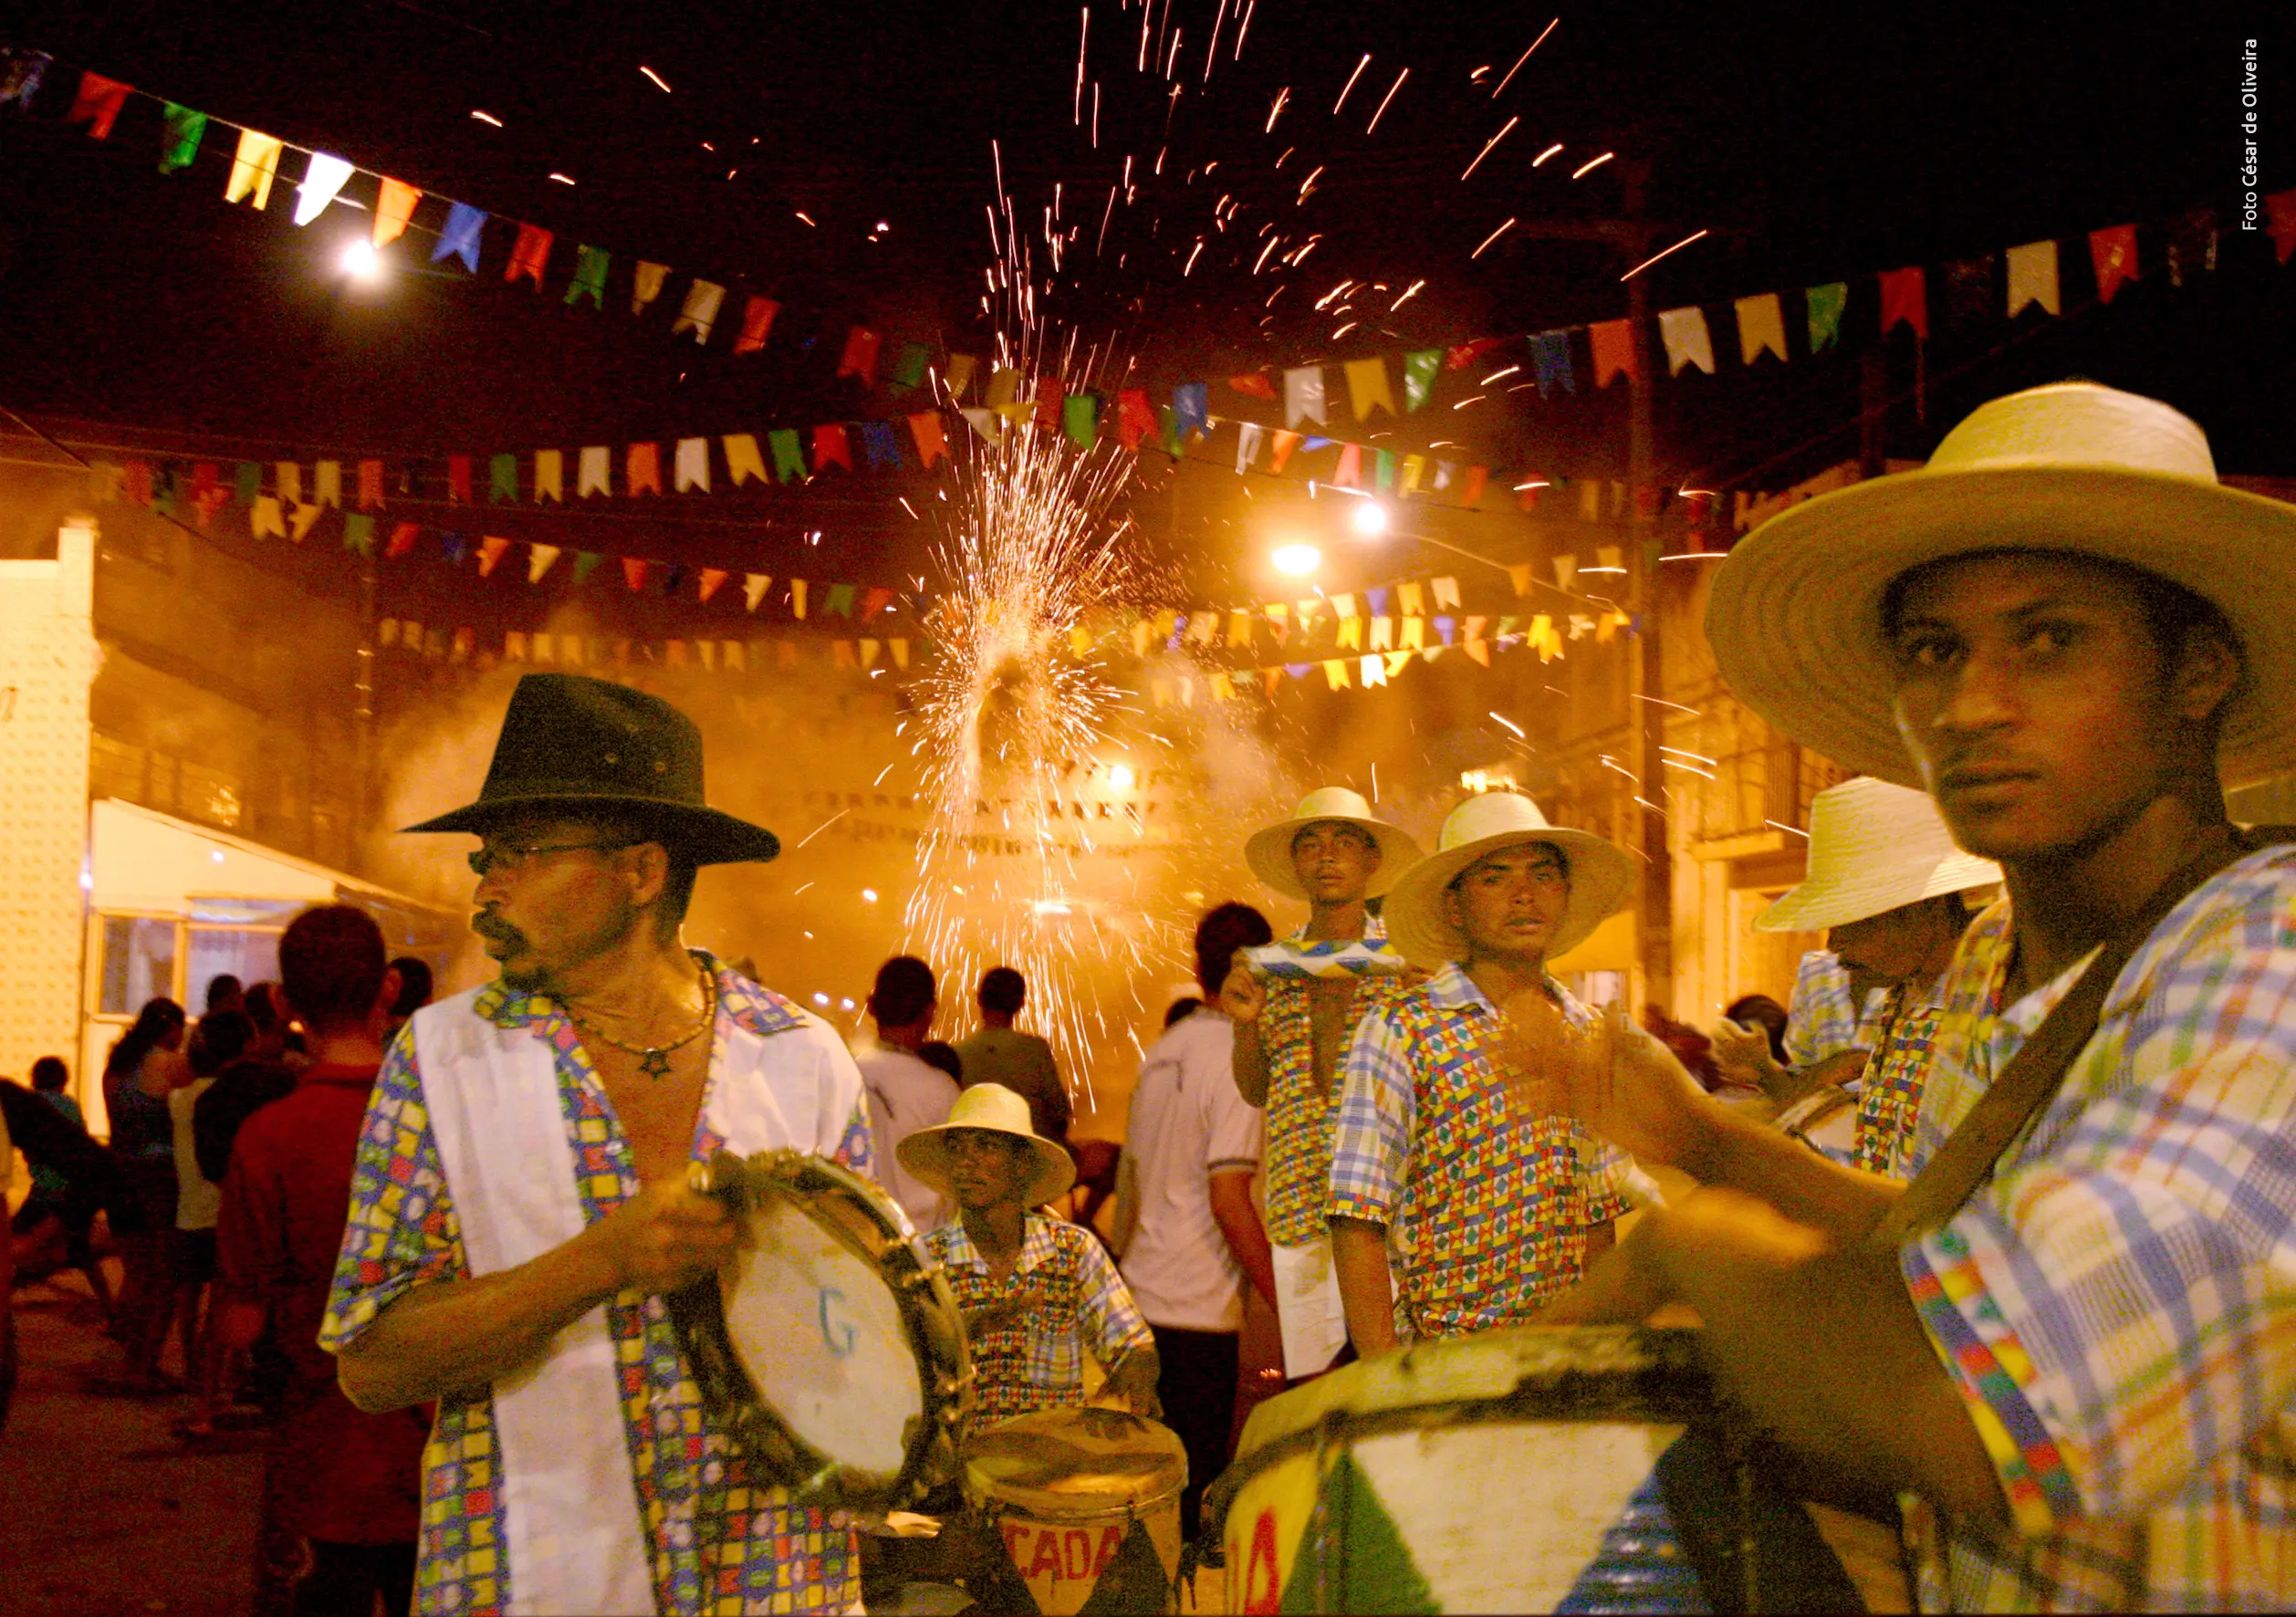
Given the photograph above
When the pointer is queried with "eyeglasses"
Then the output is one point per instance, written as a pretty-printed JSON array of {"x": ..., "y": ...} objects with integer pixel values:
[{"x": 512, "y": 857}]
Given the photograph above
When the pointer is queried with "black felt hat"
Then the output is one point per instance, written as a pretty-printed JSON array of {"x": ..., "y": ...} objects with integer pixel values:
[{"x": 572, "y": 744}]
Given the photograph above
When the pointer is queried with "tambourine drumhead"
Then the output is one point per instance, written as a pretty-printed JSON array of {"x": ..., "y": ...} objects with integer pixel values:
[
  {"x": 1072, "y": 1463},
  {"x": 823, "y": 1340}
]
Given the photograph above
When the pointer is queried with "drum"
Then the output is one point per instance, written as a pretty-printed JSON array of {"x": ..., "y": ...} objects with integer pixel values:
[
  {"x": 1088, "y": 1504},
  {"x": 1506, "y": 1472},
  {"x": 831, "y": 1349}
]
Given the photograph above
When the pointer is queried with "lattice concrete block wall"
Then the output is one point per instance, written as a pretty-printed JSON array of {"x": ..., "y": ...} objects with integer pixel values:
[{"x": 47, "y": 661}]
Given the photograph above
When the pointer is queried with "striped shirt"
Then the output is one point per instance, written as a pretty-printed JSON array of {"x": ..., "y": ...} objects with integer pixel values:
[
  {"x": 1080, "y": 1302},
  {"x": 1822, "y": 1019},
  {"x": 2118, "y": 1304}
]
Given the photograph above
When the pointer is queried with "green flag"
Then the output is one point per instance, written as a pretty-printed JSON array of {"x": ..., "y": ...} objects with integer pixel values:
[
  {"x": 248, "y": 482},
  {"x": 358, "y": 534},
  {"x": 502, "y": 480},
  {"x": 1419, "y": 374},
  {"x": 840, "y": 600},
  {"x": 1080, "y": 413},
  {"x": 586, "y": 563},
  {"x": 181, "y": 132},
  {"x": 789, "y": 456},
  {"x": 908, "y": 371},
  {"x": 1826, "y": 303},
  {"x": 1168, "y": 419},
  {"x": 1383, "y": 470},
  {"x": 590, "y": 277}
]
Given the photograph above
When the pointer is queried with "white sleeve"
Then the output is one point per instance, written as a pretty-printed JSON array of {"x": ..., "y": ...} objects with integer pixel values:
[{"x": 1233, "y": 1138}]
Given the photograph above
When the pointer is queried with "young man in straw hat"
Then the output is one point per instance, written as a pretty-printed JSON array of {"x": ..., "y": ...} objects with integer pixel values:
[
  {"x": 1293, "y": 1020},
  {"x": 1447, "y": 1153},
  {"x": 519, "y": 1206},
  {"x": 2071, "y": 1340},
  {"x": 1886, "y": 886},
  {"x": 1037, "y": 1292}
]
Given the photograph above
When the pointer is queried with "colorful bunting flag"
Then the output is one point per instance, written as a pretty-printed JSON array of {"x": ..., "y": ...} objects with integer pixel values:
[
  {"x": 593, "y": 476},
  {"x": 690, "y": 466},
  {"x": 322, "y": 181},
  {"x": 932, "y": 441},
  {"x": 1551, "y": 358},
  {"x": 1303, "y": 395},
  {"x": 253, "y": 168},
  {"x": 1825, "y": 305},
  {"x": 1761, "y": 328},
  {"x": 394, "y": 206},
  {"x": 459, "y": 239},
  {"x": 789, "y": 456},
  {"x": 1192, "y": 411},
  {"x": 1419, "y": 376},
  {"x": 757, "y": 322},
  {"x": 743, "y": 459},
  {"x": 1905, "y": 299},
  {"x": 529, "y": 254},
  {"x": 699, "y": 313},
  {"x": 642, "y": 469},
  {"x": 1613, "y": 342},
  {"x": 181, "y": 132},
  {"x": 538, "y": 561},
  {"x": 861, "y": 356},
  {"x": 1367, "y": 387},
  {"x": 1684, "y": 331},
  {"x": 646, "y": 286},
  {"x": 2032, "y": 276},
  {"x": 98, "y": 104},
  {"x": 830, "y": 448}
]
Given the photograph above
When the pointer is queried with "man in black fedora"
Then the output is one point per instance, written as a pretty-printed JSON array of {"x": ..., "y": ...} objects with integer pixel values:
[{"x": 520, "y": 1208}]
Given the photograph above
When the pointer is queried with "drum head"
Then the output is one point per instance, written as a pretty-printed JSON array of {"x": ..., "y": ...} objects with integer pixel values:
[
  {"x": 1072, "y": 1463},
  {"x": 824, "y": 1340}
]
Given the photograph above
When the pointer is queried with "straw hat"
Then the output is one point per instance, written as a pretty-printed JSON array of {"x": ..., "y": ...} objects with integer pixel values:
[
  {"x": 1874, "y": 848},
  {"x": 1269, "y": 851},
  {"x": 1796, "y": 615},
  {"x": 1602, "y": 877},
  {"x": 990, "y": 1106}
]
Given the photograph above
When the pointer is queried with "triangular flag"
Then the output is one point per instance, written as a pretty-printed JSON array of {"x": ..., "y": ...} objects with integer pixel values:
[
  {"x": 1303, "y": 395},
  {"x": 531, "y": 252},
  {"x": 459, "y": 238},
  {"x": 253, "y": 168},
  {"x": 490, "y": 551},
  {"x": 1905, "y": 297},
  {"x": 1285, "y": 442},
  {"x": 181, "y": 132},
  {"x": 1257, "y": 385},
  {"x": 1419, "y": 376},
  {"x": 756, "y": 323},
  {"x": 699, "y": 315},
  {"x": 753, "y": 589},
  {"x": 1684, "y": 331},
  {"x": 321, "y": 182},
  {"x": 633, "y": 573},
  {"x": 394, "y": 206},
  {"x": 710, "y": 578},
  {"x": 647, "y": 285},
  {"x": 538, "y": 561},
  {"x": 587, "y": 562},
  {"x": 1349, "y": 473},
  {"x": 1247, "y": 445},
  {"x": 2032, "y": 276},
  {"x": 1367, "y": 387},
  {"x": 1761, "y": 328},
  {"x": 1825, "y": 305}
]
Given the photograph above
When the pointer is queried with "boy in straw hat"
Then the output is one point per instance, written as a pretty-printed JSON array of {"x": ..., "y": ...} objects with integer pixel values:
[
  {"x": 1295, "y": 1005},
  {"x": 1037, "y": 1292},
  {"x": 1885, "y": 885},
  {"x": 1446, "y": 1152},
  {"x": 2071, "y": 1342}
]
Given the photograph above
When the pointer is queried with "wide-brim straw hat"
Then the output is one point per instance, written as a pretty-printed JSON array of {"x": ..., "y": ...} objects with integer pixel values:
[
  {"x": 1874, "y": 848},
  {"x": 570, "y": 744},
  {"x": 1795, "y": 619},
  {"x": 1268, "y": 853},
  {"x": 990, "y": 1106},
  {"x": 1602, "y": 877}
]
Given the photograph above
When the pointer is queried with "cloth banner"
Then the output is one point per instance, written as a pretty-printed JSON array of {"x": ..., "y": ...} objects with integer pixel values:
[
  {"x": 502, "y": 480},
  {"x": 1080, "y": 418},
  {"x": 593, "y": 473},
  {"x": 832, "y": 448},
  {"x": 1419, "y": 376},
  {"x": 859, "y": 358},
  {"x": 1367, "y": 387},
  {"x": 181, "y": 132},
  {"x": 590, "y": 277},
  {"x": 647, "y": 285},
  {"x": 2032, "y": 276},
  {"x": 757, "y": 322},
  {"x": 98, "y": 104},
  {"x": 2113, "y": 253},
  {"x": 743, "y": 460},
  {"x": 1551, "y": 358},
  {"x": 1303, "y": 395},
  {"x": 1613, "y": 345},
  {"x": 932, "y": 440},
  {"x": 789, "y": 456},
  {"x": 538, "y": 561},
  {"x": 1684, "y": 331},
  {"x": 1192, "y": 410},
  {"x": 642, "y": 469},
  {"x": 394, "y": 206},
  {"x": 691, "y": 468},
  {"x": 326, "y": 484},
  {"x": 1825, "y": 305},
  {"x": 699, "y": 313},
  {"x": 321, "y": 183},
  {"x": 1905, "y": 297},
  {"x": 1761, "y": 328},
  {"x": 459, "y": 238},
  {"x": 529, "y": 254},
  {"x": 253, "y": 168},
  {"x": 1285, "y": 442}
]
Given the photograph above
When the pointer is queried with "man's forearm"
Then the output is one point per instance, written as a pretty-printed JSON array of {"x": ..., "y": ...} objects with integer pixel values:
[
  {"x": 1232, "y": 1209},
  {"x": 440, "y": 1339},
  {"x": 1249, "y": 1063},
  {"x": 1742, "y": 1154},
  {"x": 1359, "y": 1257},
  {"x": 1134, "y": 1378}
]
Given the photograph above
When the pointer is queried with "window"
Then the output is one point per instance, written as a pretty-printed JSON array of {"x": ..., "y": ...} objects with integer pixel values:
[
  {"x": 139, "y": 964},
  {"x": 248, "y": 953}
]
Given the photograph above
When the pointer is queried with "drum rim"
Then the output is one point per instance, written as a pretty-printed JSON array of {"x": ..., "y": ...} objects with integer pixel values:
[
  {"x": 981, "y": 1498},
  {"x": 942, "y": 1359},
  {"x": 1666, "y": 1350}
]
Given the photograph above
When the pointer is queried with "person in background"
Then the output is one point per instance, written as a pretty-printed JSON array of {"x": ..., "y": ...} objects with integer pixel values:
[
  {"x": 906, "y": 1093},
  {"x": 942, "y": 1058},
  {"x": 1037, "y": 1293},
  {"x": 1760, "y": 1011},
  {"x": 1022, "y": 1062},
  {"x": 1180, "y": 1009},
  {"x": 219, "y": 1041},
  {"x": 414, "y": 993},
  {"x": 225, "y": 992},
  {"x": 61, "y": 1198},
  {"x": 341, "y": 1489},
  {"x": 276, "y": 1038},
  {"x": 246, "y": 1084},
  {"x": 1187, "y": 1233},
  {"x": 145, "y": 1064}
]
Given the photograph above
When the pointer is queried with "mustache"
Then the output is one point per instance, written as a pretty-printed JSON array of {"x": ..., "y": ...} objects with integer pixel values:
[{"x": 495, "y": 929}]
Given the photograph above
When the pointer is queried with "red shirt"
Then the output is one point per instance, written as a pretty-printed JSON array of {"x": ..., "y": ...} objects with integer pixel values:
[{"x": 343, "y": 1477}]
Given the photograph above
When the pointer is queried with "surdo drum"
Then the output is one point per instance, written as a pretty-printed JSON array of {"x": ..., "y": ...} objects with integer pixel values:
[
  {"x": 1505, "y": 1472},
  {"x": 1087, "y": 1502},
  {"x": 831, "y": 1349}
]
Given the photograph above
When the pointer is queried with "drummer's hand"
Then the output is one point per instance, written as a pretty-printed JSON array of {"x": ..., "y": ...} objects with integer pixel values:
[
  {"x": 667, "y": 1236},
  {"x": 1744, "y": 1056},
  {"x": 1243, "y": 996},
  {"x": 1628, "y": 1088}
]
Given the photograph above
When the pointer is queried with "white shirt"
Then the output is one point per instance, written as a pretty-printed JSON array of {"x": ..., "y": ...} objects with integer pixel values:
[
  {"x": 1188, "y": 1123},
  {"x": 198, "y": 1199},
  {"x": 906, "y": 1094}
]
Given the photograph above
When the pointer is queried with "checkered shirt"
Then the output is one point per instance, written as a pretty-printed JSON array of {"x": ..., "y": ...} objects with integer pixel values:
[
  {"x": 718, "y": 1543},
  {"x": 2118, "y": 1304},
  {"x": 1300, "y": 1113},
  {"x": 1821, "y": 1020},
  {"x": 1890, "y": 1097},
  {"x": 1487, "y": 1206},
  {"x": 1039, "y": 1363}
]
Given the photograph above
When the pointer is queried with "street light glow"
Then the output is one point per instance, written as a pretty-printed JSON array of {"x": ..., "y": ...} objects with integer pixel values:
[
  {"x": 1369, "y": 519},
  {"x": 1296, "y": 560},
  {"x": 361, "y": 261}
]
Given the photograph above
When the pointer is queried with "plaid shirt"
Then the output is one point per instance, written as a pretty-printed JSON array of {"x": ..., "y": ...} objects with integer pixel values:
[
  {"x": 1889, "y": 1098},
  {"x": 717, "y": 1542},
  {"x": 1300, "y": 1111},
  {"x": 1821, "y": 1020},
  {"x": 1039, "y": 1363},
  {"x": 2118, "y": 1304},
  {"x": 1487, "y": 1206}
]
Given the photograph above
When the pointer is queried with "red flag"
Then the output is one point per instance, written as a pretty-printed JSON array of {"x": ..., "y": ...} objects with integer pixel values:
[
  {"x": 1135, "y": 417},
  {"x": 2113, "y": 252},
  {"x": 1350, "y": 471},
  {"x": 931, "y": 443},
  {"x": 1476, "y": 477},
  {"x": 458, "y": 479},
  {"x": 711, "y": 576},
  {"x": 633, "y": 573},
  {"x": 1050, "y": 392},
  {"x": 1259, "y": 384},
  {"x": 1466, "y": 353},
  {"x": 1281, "y": 452},
  {"x": 490, "y": 549},
  {"x": 98, "y": 104},
  {"x": 1613, "y": 345},
  {"x": 1904, "y": 297},
  {"x": 2280, "y": 218},
  {"x": 644, "y": 464},
  {"x": 830, "y": 448},
  {"x": 756, "y": 320},
  {"x": 369, "y": 485},
  {"x": 531, "y": 253},
  {"x": 402, "y": 539},
  {"x": 878, "y": 599},
  {"x": 1527, "y": 499},
  {"x": 208, "y": 493},
  {"x": 861, "y": 356}
]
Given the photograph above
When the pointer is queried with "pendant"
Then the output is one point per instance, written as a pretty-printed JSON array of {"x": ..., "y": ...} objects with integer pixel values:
[{"x": 655, "y": 1064}]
